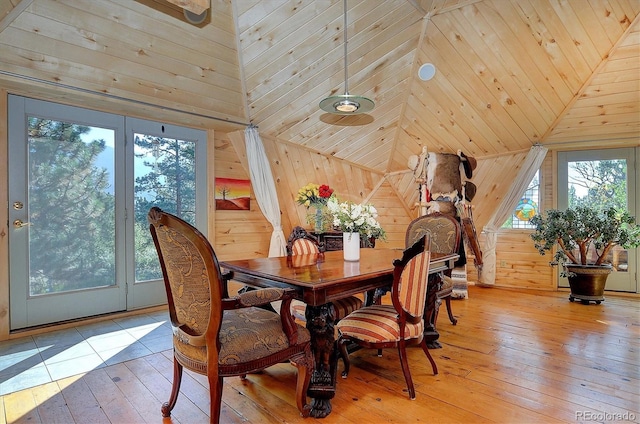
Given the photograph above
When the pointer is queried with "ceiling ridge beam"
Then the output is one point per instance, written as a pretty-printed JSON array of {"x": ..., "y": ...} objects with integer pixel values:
[
  {"x": 403, "y": 108},
  {"x": 402, "y": 199},
  {"x": 460, "y": 5},
  {"x": 243, "y": 75},
  {"x": 14, "y": 13},
  {"x": 197, "y": 7}
]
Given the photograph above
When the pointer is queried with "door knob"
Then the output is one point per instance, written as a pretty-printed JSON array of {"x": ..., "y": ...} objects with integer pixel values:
[{"x": 19, "y": 224}]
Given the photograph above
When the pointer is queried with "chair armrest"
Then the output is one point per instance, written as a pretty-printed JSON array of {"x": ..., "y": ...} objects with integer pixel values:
[
  {"x": 182, "y": 334},
  {"x": 264, "y": 296},
  {"x": 257, "y": 297},
  {"x": 226, "y": 277},
  {"x": 289, "y": 325},
  {"x": 260, "y": 297}
]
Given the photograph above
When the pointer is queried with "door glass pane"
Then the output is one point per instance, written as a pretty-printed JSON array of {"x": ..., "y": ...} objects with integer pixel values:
[
  {"x": 600, "y": 184},
  {"x": 164, "y": 171},
  {"x": 71, "y": 206}
]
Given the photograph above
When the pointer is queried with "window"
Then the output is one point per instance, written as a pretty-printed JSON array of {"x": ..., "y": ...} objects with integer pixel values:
[
  {"x": 527, "y": 207},
  {"x": 603, "y": 178}
]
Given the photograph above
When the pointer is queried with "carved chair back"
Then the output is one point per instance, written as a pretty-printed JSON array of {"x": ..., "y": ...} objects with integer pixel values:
[{"x": 213, "y": 334}]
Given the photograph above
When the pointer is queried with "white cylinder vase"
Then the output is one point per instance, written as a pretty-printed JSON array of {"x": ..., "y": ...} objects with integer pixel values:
[{"x": 351, "y": 246}]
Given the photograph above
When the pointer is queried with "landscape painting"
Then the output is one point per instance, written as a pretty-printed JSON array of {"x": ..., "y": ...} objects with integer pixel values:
[{"x": 232, "y": 194}]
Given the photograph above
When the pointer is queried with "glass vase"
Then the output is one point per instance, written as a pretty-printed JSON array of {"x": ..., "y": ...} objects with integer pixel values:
[{"x": 318, "y": 223}]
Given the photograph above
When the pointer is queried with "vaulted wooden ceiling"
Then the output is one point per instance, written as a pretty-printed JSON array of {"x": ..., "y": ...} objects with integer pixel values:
[{"x": 509, "y": 73}]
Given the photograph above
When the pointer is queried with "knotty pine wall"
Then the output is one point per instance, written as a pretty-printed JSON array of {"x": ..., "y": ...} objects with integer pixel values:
[
  {"x": 238, "y": 234},
  {"x": 518, "y": 263},
  {"x": 247, "y": 233}
]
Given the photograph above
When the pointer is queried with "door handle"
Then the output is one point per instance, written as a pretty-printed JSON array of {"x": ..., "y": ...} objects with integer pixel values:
[{"x": 19, "y": 224}]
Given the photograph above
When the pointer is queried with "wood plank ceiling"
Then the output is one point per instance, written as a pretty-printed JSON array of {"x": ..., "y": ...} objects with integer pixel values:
[{"x": 509, "y": 73}]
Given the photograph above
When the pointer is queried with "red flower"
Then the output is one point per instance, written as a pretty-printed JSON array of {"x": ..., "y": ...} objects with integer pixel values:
[{"x": 324, "y": 191}]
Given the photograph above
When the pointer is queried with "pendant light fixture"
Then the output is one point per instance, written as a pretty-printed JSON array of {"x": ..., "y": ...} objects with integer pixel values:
[{"x": 346, "y": 104}]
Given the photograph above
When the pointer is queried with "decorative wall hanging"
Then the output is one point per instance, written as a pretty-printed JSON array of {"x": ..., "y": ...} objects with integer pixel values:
[{"x": 232, "y": 194}]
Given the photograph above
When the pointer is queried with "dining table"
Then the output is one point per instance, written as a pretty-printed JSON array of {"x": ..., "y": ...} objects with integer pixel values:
[{"x": 321, "y": 278}]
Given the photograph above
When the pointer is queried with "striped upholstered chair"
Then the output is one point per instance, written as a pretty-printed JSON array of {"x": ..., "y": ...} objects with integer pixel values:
[
  {"x": 444, "y": 231},
  {"x": 300, "y": 242},
  {"x": 397, "y": 325}
]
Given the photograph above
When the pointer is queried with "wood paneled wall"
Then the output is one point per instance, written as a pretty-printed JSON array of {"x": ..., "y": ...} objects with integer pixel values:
[
  {"x": 237, "y": 234},
  {"x": 518, "y": 263},
  {"x": 248, "y": 233}
]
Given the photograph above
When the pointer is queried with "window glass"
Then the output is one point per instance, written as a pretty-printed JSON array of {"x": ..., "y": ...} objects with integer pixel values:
[{"x": 527, "y": 207}]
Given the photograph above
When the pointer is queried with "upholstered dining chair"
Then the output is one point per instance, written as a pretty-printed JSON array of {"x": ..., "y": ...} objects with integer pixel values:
[
  {"x": 300, "y": 242},
  {"x": 445, "y": 234},
  {"x": 400, "y": 324},
  {"x": 217, "y": 336}
]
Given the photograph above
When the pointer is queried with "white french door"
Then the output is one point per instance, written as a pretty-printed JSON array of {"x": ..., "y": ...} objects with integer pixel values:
[
  {"x": 607, "y": 177},
  {"x": 79, "y": 181},
  {"x": 167, "y": 165}
]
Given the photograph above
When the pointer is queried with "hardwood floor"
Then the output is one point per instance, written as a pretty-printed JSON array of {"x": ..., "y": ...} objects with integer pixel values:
[{"x": 516, "y": 356}]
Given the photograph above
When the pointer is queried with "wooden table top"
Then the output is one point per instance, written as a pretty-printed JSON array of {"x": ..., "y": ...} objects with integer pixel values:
[{"x": 319, "y": 279}]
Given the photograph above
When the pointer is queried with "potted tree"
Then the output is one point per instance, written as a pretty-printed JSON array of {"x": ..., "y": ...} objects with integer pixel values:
[{"x": 574, "y": 231}]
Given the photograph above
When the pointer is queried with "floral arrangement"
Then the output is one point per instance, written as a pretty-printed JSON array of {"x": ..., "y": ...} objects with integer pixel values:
[
  {"x": 314, "y": 195},
  {"x": 352, "y": 218}
]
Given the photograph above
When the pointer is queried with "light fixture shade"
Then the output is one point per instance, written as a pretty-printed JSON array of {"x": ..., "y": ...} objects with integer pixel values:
[{"x": 347, "y": 104}]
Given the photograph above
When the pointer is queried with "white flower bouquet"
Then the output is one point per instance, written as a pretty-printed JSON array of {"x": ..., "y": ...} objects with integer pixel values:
[{"x": 349, "y": 217}]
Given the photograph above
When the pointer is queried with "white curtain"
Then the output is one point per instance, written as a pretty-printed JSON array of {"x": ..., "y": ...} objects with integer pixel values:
[
  {"x": 531, "y": 164},
  {"x": 265, "y": 189}
]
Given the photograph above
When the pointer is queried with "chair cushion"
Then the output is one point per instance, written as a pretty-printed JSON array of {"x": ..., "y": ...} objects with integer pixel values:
[
  {"x": 343, "y": 307},
  {"x": 245, "y": 335},
  {"x": 377, "y": 324}
]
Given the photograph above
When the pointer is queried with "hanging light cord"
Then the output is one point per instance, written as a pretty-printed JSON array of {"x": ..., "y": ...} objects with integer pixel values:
[
  {"x": 346, "y": 104},
  {"x": 346, "y": 75}
]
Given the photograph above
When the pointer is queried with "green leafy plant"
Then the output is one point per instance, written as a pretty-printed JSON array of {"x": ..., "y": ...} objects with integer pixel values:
[{"x": 574, "y": 230}]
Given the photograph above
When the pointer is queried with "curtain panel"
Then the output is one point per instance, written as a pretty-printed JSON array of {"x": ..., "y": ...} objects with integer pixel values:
[
  {"x": 264, "y": 188},
  {"x": 531, "y": 164}
]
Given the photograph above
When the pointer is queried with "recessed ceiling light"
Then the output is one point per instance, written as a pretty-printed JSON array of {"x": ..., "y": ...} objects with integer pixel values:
[{"x": 427, "y": 71}]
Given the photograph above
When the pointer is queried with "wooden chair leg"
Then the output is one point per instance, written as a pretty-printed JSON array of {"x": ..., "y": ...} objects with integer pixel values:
[
  {"x": 402, "y": 353},
  {"x": 167, "y": 407},
  {"x": 344, "y": 352},
  {"x": 434, "y": 367},
  {"x": 447, "y": 301},
  {"x": 304, "y": 365},
  {"x": 215, "y": 398}
]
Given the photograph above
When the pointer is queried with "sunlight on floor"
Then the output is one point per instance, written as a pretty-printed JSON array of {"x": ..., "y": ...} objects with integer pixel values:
[{"x": 34, "y": 360}]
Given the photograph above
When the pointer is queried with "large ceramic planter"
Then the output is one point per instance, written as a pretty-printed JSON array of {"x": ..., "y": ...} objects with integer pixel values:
[{"x": 587, "y": 282}]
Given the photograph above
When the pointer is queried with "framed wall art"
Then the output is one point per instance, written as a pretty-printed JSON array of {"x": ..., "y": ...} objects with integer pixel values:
[{"x": 232, "y": 194}]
